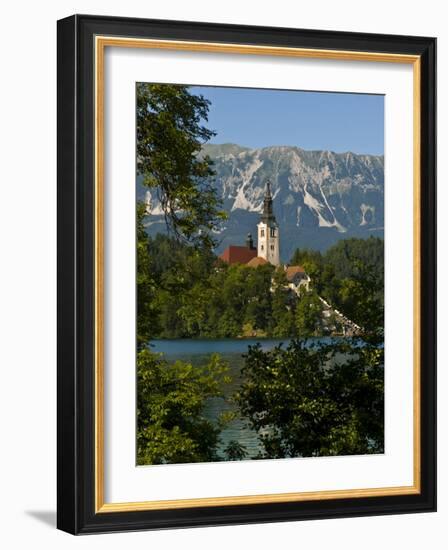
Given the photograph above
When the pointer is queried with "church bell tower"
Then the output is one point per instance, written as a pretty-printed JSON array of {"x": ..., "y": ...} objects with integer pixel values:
[{"x": 268, "y": 232}]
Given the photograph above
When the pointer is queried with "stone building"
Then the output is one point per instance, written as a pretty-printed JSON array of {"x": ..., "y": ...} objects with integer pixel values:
[{"x": 268, "y": 231}]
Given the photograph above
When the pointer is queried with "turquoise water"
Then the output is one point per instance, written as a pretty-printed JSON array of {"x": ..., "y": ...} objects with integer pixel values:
[
  {"x": 198, "y": 352},
  {"x": 190, "y": 347}
]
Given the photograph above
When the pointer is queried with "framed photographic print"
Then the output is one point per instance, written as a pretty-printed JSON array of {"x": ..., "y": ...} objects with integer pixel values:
[{"x": 246, "y": 271}]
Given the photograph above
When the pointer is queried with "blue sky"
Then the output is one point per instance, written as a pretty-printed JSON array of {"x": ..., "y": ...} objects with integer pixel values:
[{"x": 338, "y": 122}]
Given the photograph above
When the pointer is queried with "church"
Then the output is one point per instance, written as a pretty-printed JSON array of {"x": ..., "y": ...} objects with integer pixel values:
[
  {"x": 268, "y": 242},
  {"x": 268, "y": 247}
]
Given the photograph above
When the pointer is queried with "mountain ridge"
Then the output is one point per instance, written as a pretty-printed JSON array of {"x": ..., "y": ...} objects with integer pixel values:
[
  {"x": 213, "y": 148},
  {"x": 319, "y": 196}
]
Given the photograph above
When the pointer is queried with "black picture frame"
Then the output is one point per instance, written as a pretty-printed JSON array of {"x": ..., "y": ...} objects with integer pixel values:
[{"x": 76, "y": 286}]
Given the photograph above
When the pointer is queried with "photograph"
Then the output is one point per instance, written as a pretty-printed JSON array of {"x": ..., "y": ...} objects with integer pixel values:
[
  {"x": 220, "y": 279},
  {"x": 246, "y": 273},
  {"x": 259, "y": 274}
]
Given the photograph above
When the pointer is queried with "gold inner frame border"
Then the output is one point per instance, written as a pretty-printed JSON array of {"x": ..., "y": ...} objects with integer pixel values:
[{"x": 100, "y": 44}]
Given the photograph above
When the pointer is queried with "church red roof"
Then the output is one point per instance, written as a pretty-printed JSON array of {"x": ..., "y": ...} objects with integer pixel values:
[{"x": 238, "y": 254}]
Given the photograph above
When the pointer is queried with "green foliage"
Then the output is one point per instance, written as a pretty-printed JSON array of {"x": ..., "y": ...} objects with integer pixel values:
[
  {"x": 147, "y": 310},
  {"x": 308, "y": 316},
  {"x": 303, "y": 400},
  {"x": 306, "y": 255},
  {"x": 198, "y": 296},
  {"x": 350, "y": 276},
  {"x": 282, "y": 318},
  {"x": 235, "y": 451},
  {"x": 169, "y": 138},
  {"x": 171, "y": 427},
  {"x": 349, "y": 254},
  {"x": 316, "y": 400}
]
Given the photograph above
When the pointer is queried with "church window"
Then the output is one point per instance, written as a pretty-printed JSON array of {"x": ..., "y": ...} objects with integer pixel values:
[
  {"x": 272, "y": 231},
  {"x": 262, "y": 247},
  {"x": 272, "y": 247},
  {"x": 262, "y": 232}
]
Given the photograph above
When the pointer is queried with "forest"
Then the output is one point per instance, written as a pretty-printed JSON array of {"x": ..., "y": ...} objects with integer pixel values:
[
  {"x": 199, "y": 296},
  {"x": 310, "y": 398}
]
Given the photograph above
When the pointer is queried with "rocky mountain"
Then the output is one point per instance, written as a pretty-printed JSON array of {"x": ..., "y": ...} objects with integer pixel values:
[{"x": 319, "y": 196}]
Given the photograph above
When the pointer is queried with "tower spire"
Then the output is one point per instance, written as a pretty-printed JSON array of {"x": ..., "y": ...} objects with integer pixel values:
[
  {"x": 268, "y": 188},
  {"x": 268, "y": 213},
  {"x": 268, "y": 231}
]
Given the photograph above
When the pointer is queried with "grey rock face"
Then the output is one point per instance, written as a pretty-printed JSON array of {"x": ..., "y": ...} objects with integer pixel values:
[{"x": 319, "y": 196}]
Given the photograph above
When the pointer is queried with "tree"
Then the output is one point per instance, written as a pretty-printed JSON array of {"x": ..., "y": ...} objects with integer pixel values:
[
  {"x": 147, "y": 309},
  {"x": 308, "y": 316},
  {"x": 171, "y": 427},
  {"x": 315, "y": 400},
  {"x": 355, "y": 282},
  {"x": 361, "y": 299},
  {"x": 282, "y": 318},
  {"x": 350, "y": 276},
  {"x": 235, "y": 451},
  {"x": 170, "y": 136},
  {"x": 302, "y": 255},
  {"x": 257, "y": 287}
]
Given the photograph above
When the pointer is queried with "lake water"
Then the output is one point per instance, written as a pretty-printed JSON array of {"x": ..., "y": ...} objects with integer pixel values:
[{"x": 198, "y": 352}]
